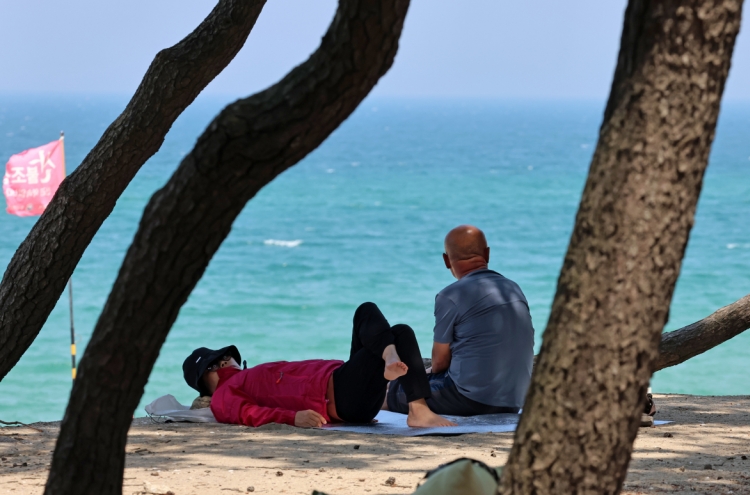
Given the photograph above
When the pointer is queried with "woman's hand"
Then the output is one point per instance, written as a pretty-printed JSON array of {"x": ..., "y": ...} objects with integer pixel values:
[{"x": 308, "y": 419}]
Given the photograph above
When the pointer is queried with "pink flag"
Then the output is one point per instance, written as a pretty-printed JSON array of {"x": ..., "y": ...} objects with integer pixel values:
[{"x": 32, "y": 177}]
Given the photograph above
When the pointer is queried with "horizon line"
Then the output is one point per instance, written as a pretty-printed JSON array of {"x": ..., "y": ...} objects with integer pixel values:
[{"x": 444, "y": 97}]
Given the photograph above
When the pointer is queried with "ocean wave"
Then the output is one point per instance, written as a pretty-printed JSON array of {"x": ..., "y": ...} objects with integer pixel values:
[{"x": 277, "y": 242}]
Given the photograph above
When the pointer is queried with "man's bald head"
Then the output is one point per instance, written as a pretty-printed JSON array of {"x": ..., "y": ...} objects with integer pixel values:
[
  {"x": 466, "y": 250},
  {"x": 464, "y": 242}
]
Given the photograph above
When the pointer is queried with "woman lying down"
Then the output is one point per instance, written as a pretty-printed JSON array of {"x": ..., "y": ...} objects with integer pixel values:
[{"x": 317, "y": 392}]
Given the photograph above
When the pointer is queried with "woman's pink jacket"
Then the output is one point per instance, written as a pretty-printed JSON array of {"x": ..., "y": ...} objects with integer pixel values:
[{"x": 272, "y": 392}]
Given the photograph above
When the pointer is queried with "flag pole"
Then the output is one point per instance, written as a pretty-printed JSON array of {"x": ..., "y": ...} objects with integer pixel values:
[
  {"x": 70, "y": 299},
  {"x": 62, "y": 142},
  {"x": 72, "y": 331}
]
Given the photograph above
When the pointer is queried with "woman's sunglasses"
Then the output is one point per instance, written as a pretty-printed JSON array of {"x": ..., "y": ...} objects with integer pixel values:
[{"x": 217, "y": 364}]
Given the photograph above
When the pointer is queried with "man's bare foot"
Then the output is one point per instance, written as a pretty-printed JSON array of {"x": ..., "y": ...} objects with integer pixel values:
[
  {"x": 420, "y": 416},
  {"x": 393, "y": 365}
]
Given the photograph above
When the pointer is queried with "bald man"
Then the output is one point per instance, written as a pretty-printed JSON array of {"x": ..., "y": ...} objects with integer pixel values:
[{"x": 483, "y": 345}]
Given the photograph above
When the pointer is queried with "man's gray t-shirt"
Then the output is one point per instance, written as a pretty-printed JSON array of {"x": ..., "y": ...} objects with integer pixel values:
[{"x": 485, "y": 318}]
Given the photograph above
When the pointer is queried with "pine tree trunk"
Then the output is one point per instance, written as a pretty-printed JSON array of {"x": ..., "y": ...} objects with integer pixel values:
[
  {"x": 586, "y": 397},
  {"x": 42, "y": 265},
  {"x": 680, "y": 345},
  {"x": 248, "y": 144}
]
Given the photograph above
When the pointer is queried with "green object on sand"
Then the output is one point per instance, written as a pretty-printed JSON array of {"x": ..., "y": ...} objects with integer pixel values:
[{"x": 465, "y": 476}]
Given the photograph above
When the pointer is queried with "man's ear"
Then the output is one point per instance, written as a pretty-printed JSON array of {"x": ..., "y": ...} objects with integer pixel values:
[
  {"x": 487, "y": 254},
  {"x": 447, "y": 261}
]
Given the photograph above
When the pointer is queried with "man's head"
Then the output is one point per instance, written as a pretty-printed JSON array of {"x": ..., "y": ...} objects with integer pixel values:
[
  {"x": 466, "y": 250},
  {"x": 199, "y": 369}
]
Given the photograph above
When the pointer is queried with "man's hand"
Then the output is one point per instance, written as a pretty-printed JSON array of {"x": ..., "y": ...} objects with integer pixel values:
[
  {"x": 308, "y": 419},
  {"x": 441, "y": 357}
]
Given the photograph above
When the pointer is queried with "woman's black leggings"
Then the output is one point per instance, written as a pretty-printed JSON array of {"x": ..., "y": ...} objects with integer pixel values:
[{"x": 359, "y": 385}]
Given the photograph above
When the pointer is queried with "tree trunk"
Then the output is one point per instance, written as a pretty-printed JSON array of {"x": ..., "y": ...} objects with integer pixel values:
[
  {"x": 248, "y": 144},
  {"x": 602, "y": 339},
  {"x": 680, "y": 345},
  {"x": 42, "y": 265}
]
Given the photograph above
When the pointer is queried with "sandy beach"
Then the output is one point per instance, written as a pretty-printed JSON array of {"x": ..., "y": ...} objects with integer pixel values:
[{"x": 705, "y": 450}]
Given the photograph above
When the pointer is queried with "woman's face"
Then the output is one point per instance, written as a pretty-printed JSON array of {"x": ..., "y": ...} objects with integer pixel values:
[{"x": 211, "y": 377}]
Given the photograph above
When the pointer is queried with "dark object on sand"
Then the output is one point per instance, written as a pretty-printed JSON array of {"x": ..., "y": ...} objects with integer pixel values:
[
  {"x": 649, "y": 407},
  {"x": 18, "y": 423}
]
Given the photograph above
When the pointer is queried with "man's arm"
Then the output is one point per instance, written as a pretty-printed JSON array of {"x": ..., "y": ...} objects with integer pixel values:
[
  {"x": 446, "y": 315},
  {"x": 441, "y": 357}
]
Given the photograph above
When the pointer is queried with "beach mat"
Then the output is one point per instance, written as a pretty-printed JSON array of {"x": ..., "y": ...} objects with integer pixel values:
[{"x": 391, "y": 423}]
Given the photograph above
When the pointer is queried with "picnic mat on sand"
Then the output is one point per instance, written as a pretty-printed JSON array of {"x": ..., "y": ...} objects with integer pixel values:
[{"x": 389, "y": 423}]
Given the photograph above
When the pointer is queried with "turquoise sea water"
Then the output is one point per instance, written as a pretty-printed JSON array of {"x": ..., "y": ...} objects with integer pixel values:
[{"x": 363, "y": 218}]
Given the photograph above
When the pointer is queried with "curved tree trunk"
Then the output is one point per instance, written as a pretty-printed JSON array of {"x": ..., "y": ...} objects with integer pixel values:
[
  {"x": 248, "y": 144},
  {"x": 584, "y": 403},
  {"x": 680, "y": 345},
  {"x": 42, "y": 265}
]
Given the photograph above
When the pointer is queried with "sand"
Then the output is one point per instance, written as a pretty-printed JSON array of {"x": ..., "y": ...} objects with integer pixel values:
[{"x": 706, "y": 450}]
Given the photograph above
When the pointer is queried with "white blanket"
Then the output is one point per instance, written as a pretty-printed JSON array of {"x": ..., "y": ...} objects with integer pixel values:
[{"x": 167, "y": 407}]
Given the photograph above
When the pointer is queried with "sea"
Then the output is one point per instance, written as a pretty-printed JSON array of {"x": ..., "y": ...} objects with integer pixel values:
[{"x": 362, "y": 218}]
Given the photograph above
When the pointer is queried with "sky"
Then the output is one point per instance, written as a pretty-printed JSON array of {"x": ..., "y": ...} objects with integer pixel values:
[{"x": 536, "y": 49}]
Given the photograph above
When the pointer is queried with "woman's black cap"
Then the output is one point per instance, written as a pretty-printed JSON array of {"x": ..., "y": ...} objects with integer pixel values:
[{"x": 198, "y": 362}]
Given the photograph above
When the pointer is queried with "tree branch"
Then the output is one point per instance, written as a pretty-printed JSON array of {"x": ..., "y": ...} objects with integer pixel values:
[
  {"x": 248, "y": 144},
  {"x": 42, "y": 265},
  {"x": 680, "y": 345}
]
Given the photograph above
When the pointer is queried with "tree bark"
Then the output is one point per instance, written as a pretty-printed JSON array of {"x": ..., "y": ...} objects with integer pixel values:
[
  {"x": 602, "y": 339},
  {"x": 248, "y": 144},
  {"x": 42, "y": 265},
  {"x": 680, "y": 345}
]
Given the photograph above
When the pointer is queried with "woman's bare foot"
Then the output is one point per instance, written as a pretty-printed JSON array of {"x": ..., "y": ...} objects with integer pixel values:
[
  {"x": 420, "y": 416},
  {"x": 393, "y": 365},
  {"x": 394, "y": 370}
]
